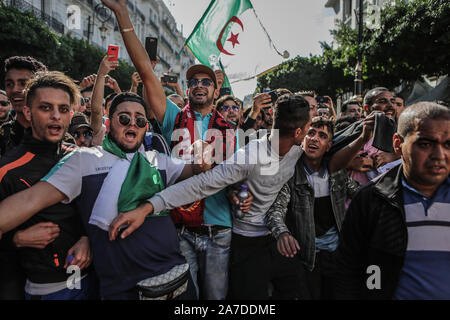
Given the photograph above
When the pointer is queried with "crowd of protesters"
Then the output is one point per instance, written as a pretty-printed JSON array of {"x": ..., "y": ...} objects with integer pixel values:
[{"x": 129, "y": 196}]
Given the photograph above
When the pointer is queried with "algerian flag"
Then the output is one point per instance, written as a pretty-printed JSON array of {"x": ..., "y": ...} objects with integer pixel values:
[{"x": 230, "y": 34}]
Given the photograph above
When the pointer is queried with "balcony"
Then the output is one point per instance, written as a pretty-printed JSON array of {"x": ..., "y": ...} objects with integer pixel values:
[
  {"x": 153, "y": 24},
  {"x": 130, "y": 5},
  {"x": 140, "y": 14},
  {"x": 23, "y": 6},
  {"x": 164, "y": 62},
  {"x": 169, "y": 28},
  {"x": 166, "y": 42}
]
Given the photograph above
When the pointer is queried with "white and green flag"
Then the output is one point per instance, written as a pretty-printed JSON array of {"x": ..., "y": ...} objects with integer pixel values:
[{"x": 230, "y": 31}]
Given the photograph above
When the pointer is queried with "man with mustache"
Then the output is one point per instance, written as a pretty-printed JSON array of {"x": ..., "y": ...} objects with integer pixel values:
[{"x": 394, "y": 240}]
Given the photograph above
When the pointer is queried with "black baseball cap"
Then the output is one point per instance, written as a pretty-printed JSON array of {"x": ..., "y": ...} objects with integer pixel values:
[{"x": 79, "y": 120}]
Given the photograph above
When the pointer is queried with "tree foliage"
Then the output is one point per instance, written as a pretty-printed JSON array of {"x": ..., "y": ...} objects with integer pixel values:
[
  {"x": 313, "y": 73},
  {"x": 413, "y": 40},
  {"x": 24, "y": 34}
]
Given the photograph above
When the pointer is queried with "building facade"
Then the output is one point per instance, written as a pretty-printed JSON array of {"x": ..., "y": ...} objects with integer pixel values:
[
  {"x": 347, "y": 11},
  {"x": 88, "y": 19}
]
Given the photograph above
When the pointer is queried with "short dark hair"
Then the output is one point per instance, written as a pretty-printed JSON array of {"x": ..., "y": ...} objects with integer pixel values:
[
  {"x": 51, "y": 79},
  {"x": 123, "y": 97},
  {"x": 372, "y": 94},
  {"x": 24, "y": 62},
  {"x": 319, "y": 122},
  {"x": 222, "y": 100},
  {"x": 414, "y": 115},
  {"x": 396, "y": 95},
  {"x": 346, "y": 103},
  {"x": 88, "y": 89},
  {"x": 110, "y": 97},
  {"x": 343, "y": 122},
  {"x": 290, "y": 113}
]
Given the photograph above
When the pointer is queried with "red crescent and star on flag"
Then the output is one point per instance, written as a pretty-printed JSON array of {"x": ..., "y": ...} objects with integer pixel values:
[{"x": 233, "y": 38}]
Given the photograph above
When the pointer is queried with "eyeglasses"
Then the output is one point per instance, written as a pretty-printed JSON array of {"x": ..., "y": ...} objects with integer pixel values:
[
  {"x": 226, "y": 108},
  {"x": 4, "y": 103},
  {"x": 205, "y": 82},
  {"x": 86, "y": 134},
  {"x": 125, "y": 120}
]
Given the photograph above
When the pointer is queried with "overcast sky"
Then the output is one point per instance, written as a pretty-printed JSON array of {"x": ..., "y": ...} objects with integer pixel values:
[{"x": 294, "y": 25}]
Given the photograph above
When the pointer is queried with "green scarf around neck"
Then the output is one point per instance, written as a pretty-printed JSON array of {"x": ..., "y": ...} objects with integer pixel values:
[{"x": 143, "y": 180}]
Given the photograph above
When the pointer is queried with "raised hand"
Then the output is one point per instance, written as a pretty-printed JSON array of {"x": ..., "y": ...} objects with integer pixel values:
[
  {"x": 106, "y": 66},
  {"x": 88, "y": 81},
  {"x": 368, "y": 126},
  {"x": 115, "y": 5},
  {"x": 135, "y": 79},
  {"x": 261, "y": 100},
  {"x": 220, "y": 76},
  {"x": 110, "y": 82}
]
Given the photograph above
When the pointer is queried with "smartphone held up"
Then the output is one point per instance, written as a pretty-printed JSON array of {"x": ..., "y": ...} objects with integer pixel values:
[{"x": 113, "y": 50}]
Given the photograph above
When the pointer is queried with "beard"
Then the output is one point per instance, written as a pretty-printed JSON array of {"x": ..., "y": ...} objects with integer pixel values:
[
  {"x": 209, "y": 101},
  {"x": 122, "y": 146}
]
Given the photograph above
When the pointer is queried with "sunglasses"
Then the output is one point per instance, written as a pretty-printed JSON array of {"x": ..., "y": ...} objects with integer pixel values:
[
  {"x": 125, "y": 120},
  {"x": 4, "y": 103},
  {"x": 205, "y": 82},
  {"x": 226, "y": 108},
  {"x": 86, "y": 134}
]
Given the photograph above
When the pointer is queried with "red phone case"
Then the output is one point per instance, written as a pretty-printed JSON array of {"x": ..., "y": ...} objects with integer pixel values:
[{"x": 113, "y": 50}]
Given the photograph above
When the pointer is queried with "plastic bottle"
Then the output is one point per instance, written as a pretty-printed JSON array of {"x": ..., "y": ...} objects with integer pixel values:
[{"x": 242, "y": 196}]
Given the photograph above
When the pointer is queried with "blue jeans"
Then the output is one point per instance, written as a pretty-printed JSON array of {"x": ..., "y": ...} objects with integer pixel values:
[
  {"x": 208, "y": 261},
  {"x": 88, "y": 291}
]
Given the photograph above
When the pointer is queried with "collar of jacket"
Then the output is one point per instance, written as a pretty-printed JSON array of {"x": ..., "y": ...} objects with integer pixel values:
[
  {"x": 40, "y": 147},
  {"x": 300, "y": 173},
  {"x": 389, "y": 186}
]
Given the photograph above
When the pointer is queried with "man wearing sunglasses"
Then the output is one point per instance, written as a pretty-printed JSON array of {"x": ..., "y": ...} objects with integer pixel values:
[
  {"x": 230, "y": 108},
  {"x": 81, "y": 130},
  {"x": 5, "y": 108}
]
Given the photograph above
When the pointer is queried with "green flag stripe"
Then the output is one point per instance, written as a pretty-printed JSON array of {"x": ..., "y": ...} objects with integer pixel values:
[{"x": 201, "y": 20}]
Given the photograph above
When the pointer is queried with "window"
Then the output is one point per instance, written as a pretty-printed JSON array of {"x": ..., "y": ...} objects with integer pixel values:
[{"x": 347, "y": 9}]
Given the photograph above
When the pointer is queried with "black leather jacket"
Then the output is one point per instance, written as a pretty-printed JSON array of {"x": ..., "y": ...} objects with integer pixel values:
[
  {"x": 293, "y": 209},
  {"x": 374, "y": 233}
]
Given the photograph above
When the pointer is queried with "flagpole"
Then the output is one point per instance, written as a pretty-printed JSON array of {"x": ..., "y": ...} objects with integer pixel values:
[{"x": 285, "y": 54}]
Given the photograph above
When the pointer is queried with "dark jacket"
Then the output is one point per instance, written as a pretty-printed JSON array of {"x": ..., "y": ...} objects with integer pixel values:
[
  {"x": 11, "y": 134},
  {"x": 296, "y": 202},
  {"x": 374, "y": 233},
  {"x": 21, "y": 168}
]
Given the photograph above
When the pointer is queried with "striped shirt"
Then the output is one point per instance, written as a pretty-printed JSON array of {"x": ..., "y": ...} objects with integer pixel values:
[{"x": 425, "y": 273}]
